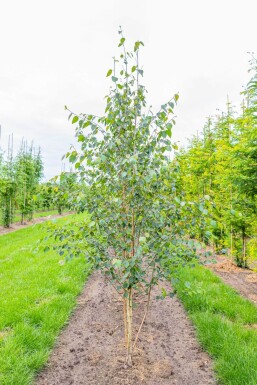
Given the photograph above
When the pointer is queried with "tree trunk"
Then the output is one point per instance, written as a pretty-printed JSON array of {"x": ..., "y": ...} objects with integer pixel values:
[
  {"x": 128, "y": 326},
  {"x": 125, "y": 321},
  {"x": 231, "y": 241},
  {"x": 244, "y": 248},
  {"x": 231, "y": 227}
]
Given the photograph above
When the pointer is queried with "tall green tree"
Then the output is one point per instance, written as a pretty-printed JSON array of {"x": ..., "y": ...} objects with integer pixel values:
[
  {"x": 137, "y": 218},
  {"x": 28, "y": 172},
  {"x": 8, "y": 185},
  {"x": 221, "y": 162}
]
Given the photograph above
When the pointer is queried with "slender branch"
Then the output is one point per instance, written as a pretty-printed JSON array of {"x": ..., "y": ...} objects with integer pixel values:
[{"x": 144, "y": 317}]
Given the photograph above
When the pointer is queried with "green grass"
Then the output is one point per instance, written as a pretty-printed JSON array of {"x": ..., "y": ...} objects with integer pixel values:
[
  {"x": 223, "y": 322},
  {"x": 40, "y": 214},
  {"x": 37, "y": 295}
]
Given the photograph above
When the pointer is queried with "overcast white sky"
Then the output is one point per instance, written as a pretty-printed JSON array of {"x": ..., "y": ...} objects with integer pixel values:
[{"x": 56, "y": 53}]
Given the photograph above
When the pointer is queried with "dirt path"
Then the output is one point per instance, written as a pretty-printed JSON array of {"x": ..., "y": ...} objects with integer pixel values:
[
  {"x": 91, "y": 350},
  {"x": 243, "y": 280}
]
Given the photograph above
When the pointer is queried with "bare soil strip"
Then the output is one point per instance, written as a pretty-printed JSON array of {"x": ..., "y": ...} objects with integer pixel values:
[
  {"x": 91, "y": 348},
  {"x": 242, "y": 280}
]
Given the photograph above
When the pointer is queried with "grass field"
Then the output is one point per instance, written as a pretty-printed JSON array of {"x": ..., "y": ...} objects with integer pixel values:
[
  {"x": 225, "y": 323},
  {"x": 39, "y": 214},
  {"x": 37, "y": 295}
]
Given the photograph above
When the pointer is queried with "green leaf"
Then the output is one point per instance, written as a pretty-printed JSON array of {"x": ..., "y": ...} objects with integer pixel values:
[
  {"x": 109, "y": 73},
  {"x": 201, "y": 208},
  {"x": 117, "y": 262},
  {"x": 75, "y": 119},
  {"x": 137, "y": 45},
  {"x": 168, "y": 132},
  {"x": 114, "y": 79},
  {"x": 122, "y": 41},
  {"x": 86, "y": 124},
  {"x": 73, "y": 157}
]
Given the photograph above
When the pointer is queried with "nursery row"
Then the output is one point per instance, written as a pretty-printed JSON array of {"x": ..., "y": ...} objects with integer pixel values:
[{"x": 221, "y": 163}]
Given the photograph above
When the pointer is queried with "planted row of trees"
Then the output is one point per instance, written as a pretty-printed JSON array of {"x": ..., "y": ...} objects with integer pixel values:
[
  {"x": 61, "y": 192},
  {"x": 221, "y": 162},
  {"x": 19, "y": 178},
  {"x": 21, "y": 190}
]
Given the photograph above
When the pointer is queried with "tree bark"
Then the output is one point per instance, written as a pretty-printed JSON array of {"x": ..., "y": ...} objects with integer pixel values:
[
  {"x": 244, "y": 248},
  {"x": 128, "y": 326}
]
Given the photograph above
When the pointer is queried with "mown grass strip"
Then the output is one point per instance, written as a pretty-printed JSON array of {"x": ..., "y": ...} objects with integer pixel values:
[
  {"x": 37, "y": 295},
  {"x": 37, "y": 214},
  {"x": 225, "y": 324}
]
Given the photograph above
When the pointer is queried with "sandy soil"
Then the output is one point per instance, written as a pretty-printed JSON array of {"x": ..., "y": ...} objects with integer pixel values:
[
  {"x": 243, "y": 280},
  {"x": 91, "y": 348}
]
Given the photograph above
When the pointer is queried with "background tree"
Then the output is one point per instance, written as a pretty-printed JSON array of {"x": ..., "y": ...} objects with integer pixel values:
[
  {"x": 221, "y": 162},
  {"x": 19, "y": 179},
  {"x": 28, "y": 172},
  {"x": 8, "y": 185},
  {"x": 65, "y": 190}
]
